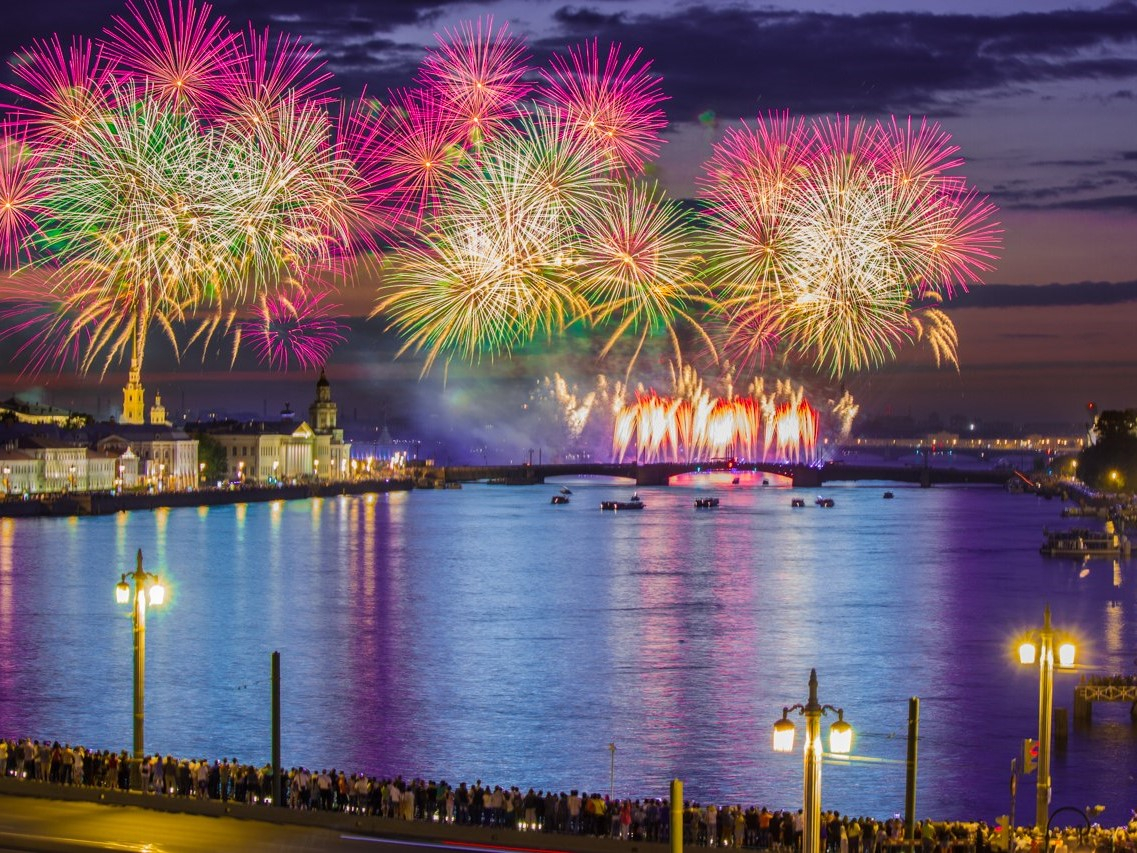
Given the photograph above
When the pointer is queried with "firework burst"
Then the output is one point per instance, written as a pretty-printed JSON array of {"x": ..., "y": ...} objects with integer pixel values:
[
  {"x": 613, "y": 102},
  {"x": 824, "y": 237},
  {"x": 300, "y": 327},
  {"x": 476, "y": 75}
]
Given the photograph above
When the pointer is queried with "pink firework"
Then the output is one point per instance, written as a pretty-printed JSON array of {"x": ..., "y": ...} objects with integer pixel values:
[
  {"x": 919, "y": 154},
  {"x": 476, "y": 74},
  {"x": 613, "y": 103},
  {"x": 420, "y": 145},
  {"x": 271, "y": 72},
  {"x": 22, "y": 189},
  {"x": 299, "y": 326},
  {"x": 61, "y": 88},
  {"x": 185, "y": 55}
]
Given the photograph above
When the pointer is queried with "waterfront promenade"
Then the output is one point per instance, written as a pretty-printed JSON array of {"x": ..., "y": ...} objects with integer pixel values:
[{"x": 484, "y": 815}]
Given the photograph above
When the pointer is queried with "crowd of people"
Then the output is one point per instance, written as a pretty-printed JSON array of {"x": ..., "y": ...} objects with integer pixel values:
[{"x": 575, "y": 812}]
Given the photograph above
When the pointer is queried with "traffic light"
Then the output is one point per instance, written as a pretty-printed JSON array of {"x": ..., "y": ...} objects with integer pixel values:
[{"x": 1029, "y": 760}]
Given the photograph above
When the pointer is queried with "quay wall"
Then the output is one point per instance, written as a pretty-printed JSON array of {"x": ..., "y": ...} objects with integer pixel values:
[{"x": 105, "y": 503}]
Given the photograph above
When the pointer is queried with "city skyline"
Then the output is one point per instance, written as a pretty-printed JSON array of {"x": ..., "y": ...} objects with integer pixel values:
[{"x": 1040, "y": 102}]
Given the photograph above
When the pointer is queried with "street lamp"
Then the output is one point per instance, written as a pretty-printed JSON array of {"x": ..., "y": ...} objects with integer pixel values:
[
  {"x": 7, "y": 480},
  {"x": 1040, "y": 646},
  {"x": 201, "y": 472},
  {"x": 840, "y": 742},
  {"x": 148, "y": 589}
]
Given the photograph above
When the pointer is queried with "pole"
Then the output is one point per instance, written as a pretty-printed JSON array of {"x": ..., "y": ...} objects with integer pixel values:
[
  {"x": 139, "y": 658},
  {"x": 1045, "y": 704},
  {"x": 276, "y": 781},
  {"x": 910, "y": 777},
  {"x": 676, "y": 816},
  {"x": 811, "y": 786},
  {"x": 612, "y": 772}
]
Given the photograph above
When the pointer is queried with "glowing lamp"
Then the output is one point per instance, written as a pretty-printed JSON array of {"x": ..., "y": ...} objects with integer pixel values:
[
  {"x": 1027, "y": 652},
  {"x": 1066, "y": 654},
  {"x": 122, "y": 591},
  {"x": 841, "y": 736},
  {"x": 157, "y": 593},
  {"x": 784, "y": 734}
]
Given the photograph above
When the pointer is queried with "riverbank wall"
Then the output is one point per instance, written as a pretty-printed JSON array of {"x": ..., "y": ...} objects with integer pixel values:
[{"x": 106, "y": 503}]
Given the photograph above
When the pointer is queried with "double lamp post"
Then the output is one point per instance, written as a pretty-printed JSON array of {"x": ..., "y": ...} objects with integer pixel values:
[{"x": 148, "y": 592}]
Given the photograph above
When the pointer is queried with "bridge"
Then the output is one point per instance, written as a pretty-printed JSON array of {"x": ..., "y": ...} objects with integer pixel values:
[{"x": 659, "y": 473}]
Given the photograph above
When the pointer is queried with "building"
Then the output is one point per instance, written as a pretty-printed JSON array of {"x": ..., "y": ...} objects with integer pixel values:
[
  {"x": 285, "y": 451},
  {"x": 15, "y": 410}
]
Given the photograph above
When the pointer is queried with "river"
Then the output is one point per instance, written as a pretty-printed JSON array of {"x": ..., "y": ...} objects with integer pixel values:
[{"x": 486, "y": 634}]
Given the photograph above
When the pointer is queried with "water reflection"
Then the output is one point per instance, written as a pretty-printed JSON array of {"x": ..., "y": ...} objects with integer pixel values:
[{"x": 479, "y": 634}]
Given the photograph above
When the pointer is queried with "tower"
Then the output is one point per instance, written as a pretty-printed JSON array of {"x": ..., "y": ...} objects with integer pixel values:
[
  {"x": 133, "y": 402},
  {"x": 323, "y": 412},
  {"x": 158, "y": 412}
]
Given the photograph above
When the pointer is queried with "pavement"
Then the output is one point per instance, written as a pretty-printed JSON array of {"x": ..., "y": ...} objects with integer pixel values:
[{"x": 39, "y": 816}]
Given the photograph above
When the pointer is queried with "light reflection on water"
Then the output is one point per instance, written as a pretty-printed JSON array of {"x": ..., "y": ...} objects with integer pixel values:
[{"x": 483, "y": 633}]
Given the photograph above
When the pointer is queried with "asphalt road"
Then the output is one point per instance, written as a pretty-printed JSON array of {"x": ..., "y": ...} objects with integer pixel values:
[{"x": 30, "y": 824}]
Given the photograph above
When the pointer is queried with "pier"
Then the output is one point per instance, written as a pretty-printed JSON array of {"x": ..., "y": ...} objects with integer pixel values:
[{"x": 1120, "y": 688}]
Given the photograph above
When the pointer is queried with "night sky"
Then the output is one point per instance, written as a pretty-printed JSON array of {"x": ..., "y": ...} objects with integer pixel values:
[{"x": 1042, "y": 102}]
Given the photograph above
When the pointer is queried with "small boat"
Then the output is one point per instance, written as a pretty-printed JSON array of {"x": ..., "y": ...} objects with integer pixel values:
[
  {"x": 824, "y": 502},
  {"x": 565, "y": 490},
  {"x": 889, "y": 496},
  {"x": 633, "y": 502},
  {"x": 797, "y": 503},
  {"x": 735, "y": 481},
  {"x": 559, "y": 499},
  {"x": 706, "y": 503}
]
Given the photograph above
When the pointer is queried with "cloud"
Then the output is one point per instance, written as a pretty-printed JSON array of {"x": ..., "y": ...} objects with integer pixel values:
[
  {"x": 1047, "y": 295},
  {"x": 738, "y": 61}
]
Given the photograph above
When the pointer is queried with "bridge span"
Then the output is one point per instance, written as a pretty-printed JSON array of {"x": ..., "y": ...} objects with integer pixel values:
[{"x": 659, "y": 473}]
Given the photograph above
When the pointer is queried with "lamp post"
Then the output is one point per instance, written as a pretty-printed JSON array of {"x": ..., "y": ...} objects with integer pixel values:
[
  {"x": 840, "y": 742},
  {"x": 1040, "y": 647},
  {"x": 148, "y": 589},
  {"x": 7, "y": 480}
]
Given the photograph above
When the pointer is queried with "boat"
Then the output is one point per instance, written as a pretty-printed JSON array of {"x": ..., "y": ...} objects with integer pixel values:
[
  {"x": 1080, "y": 542},
  {"x": 559, "y": 499},
  {"x": 736, "y": 481},
  {"x": 824, "y": 501},
  {"x": 565, "y": 490},
  {"x": 706, "y": 503},
  {"x": 797, "y": 503},
  {"x": 633, "y": 502},
  {"x": 889, "y": 496}
]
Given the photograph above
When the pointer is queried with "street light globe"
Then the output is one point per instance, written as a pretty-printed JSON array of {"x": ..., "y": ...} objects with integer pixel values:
[
  {"x": 157, "y": 593},
  {"x": 841, "y": 736},
  {"x": 1066, "y": 653},
  {"x": 122, "y": 592},
  {"x": 1027, "y": 652},
  {"x": 784, "y": 735}
]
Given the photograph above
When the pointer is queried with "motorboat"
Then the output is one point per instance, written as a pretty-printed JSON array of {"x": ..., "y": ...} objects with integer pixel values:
[
  {"x": 706, "y": 503},
  {"x": 559, "y": 499},
  {"x": 827, "y": 502},
  {"x": 736, "y": 481},
  {"x": 634, "y": 502},
  {"x": 889, "y": 496},
  {"x": 565, "y": 490},
  {"x": 797, "y": 503}
]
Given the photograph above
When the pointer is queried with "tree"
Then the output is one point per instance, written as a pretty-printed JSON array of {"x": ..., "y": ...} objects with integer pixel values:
[
  {"x": 1110, "y": 463},
  {"x": 212, "y": 454}
]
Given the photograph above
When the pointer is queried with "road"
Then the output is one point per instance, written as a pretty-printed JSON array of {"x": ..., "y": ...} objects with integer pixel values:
[{"x": 30, "y": 824}]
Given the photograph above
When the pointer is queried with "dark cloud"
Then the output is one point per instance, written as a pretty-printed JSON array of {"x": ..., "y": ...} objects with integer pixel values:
[
  {"x": 739, "y": 61},
  {"x": 1047, "y": 295}
]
